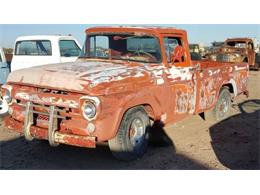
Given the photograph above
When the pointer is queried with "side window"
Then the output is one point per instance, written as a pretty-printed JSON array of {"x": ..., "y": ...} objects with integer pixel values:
[
  {"x": 99, "y": 46},
  {"x": 33, "y": 48},
  {"x": 1, "y": 58},
  {"x": 69, "y": 48},
  {"x": 170, "y": 43}
]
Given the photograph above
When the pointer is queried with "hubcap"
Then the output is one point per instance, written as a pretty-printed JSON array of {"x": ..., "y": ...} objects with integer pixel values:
[
  {"x": 136, "y": 132},
  {"x": 223, "y": 108}
]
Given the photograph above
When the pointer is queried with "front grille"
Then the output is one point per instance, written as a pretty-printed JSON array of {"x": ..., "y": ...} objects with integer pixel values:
[
  {"x": 52, "y": 91},
  {"x": 45, "y": 110},
  {"x": 41, "y": 114}
]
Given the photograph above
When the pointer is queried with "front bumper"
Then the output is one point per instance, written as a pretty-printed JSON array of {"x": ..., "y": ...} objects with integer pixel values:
[{"x": 55, "y": 137}]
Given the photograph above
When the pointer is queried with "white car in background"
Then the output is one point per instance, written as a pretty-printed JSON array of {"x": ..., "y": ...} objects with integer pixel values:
[{"x": 44, "y": 49}]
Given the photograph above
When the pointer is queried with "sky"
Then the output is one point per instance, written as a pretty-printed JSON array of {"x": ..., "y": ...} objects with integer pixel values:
[{"x": 197, "y": 33}]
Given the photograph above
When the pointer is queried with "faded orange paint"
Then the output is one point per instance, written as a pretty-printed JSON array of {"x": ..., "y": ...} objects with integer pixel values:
[{"x": 168, "y": 91}]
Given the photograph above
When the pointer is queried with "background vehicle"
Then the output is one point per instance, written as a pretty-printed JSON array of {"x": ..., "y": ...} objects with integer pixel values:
[
  {"x": 44, "y": 49},
  {"x": 4, "y": 67},
  {"x": 238, "y": 50},
  {"x": 126, "y": 80},
  {"x": 197, "y": 51}
]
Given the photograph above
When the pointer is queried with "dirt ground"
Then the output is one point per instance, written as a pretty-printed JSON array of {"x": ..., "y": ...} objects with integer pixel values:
[{"x": 190, "y": 144}]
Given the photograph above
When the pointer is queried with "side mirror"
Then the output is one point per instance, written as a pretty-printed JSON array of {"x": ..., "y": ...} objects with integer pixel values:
[
  {"x": 177, "y": 54},
  {"x": 117, "y": 38}
]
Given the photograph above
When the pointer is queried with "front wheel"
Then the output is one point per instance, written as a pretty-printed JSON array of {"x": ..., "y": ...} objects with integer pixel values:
[
  {"x": 222, "y": 108},
  {"x": 132, "y": 138}
]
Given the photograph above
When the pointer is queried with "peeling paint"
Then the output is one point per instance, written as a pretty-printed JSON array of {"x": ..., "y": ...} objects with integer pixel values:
[{"x": 46, "y": 100}]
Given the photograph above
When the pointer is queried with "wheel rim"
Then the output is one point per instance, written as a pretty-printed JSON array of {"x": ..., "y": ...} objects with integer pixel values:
[
  {"x": 223, "y": 108},
  {"x": 136, "y": 132}
]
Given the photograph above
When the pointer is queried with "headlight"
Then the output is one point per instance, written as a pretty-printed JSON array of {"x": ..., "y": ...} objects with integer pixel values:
[
  {"x": 7, "y": 96},
  {"x": 89, "y": 110}
]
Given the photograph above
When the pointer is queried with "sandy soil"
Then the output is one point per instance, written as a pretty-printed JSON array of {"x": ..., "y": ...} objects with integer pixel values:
[{"x": 190, "y": 144}]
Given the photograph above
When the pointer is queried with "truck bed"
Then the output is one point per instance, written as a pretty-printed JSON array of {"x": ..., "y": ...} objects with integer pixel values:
[{"x": 212, "y": 75}]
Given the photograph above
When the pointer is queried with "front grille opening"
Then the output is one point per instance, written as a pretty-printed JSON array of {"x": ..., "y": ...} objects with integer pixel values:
[
  {"x": 43, "y": 121},
  {"x": 52, "y": 91}
]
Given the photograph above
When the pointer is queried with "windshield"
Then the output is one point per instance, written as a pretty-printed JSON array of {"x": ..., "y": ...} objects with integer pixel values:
[
  {"x": 237, "y": 44},
  {"x": 122, "y": 47}
]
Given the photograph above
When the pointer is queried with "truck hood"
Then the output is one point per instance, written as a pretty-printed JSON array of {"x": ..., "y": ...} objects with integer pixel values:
[
  {"x": 89, "y": 77},
  {"x": 229, "y": 49}
]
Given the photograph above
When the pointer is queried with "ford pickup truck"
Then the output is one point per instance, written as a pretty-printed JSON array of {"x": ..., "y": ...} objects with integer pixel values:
[
  {"x": 238, "y": 50},
  {"x": 126, "y": 80}
]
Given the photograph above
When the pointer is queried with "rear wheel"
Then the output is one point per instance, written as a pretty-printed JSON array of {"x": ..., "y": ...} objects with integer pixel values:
[
  {"x": 132, "y": 138},
  {"x": 222, "y": 108}
]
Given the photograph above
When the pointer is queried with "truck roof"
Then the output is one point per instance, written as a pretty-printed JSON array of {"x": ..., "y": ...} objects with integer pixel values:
[
  {"x": 242, "y": 39},
  {"x": 152, "y": 30},
  {"x": 44, "y": 37}
]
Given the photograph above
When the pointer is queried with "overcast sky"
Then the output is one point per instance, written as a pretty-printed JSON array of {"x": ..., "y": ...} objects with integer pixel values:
[{"x": 196, "y": 33}]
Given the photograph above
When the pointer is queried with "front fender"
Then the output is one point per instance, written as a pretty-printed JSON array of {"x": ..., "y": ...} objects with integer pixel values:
[{"x": 112, "y": 115}]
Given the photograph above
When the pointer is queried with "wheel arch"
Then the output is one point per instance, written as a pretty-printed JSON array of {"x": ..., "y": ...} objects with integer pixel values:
[
  {"x": 232, "y": 87},
  {"x": 148, "y": 107},
  {"x": 151, "y": 107}
]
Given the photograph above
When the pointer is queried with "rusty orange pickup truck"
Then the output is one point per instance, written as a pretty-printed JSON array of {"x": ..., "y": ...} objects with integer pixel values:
[
  {"x": 238, "y": 50},
  {"x": 125, "y": 80}
]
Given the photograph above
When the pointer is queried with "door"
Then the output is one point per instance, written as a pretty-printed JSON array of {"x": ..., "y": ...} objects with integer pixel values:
[
  {"x": 181, "y": 76},
  {"x": 251, "y": 54},
  {"x": 69, "y": 50}
]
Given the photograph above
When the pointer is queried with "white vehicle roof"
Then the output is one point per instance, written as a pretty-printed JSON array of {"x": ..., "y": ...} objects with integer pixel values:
[{"x": 45, "y": 37}]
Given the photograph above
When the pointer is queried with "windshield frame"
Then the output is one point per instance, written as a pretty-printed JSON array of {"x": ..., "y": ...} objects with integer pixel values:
[{"x": 83, "y": 53}]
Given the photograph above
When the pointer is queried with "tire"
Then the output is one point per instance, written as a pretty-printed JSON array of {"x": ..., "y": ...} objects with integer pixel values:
[
  {"x": 257, "y": 61},
  {"x": 257, "y": 58},
  {"x": 222, "y": 109},
  {"x": 245, "y": 60},
  {"x": 131, "y": 140}
]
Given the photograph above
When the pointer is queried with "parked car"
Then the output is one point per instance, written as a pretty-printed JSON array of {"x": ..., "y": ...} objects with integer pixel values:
[
  {"x": 44, "y": 49},
  {"x": 4, "y": 67},
  {"x": 144, "y": 76}
]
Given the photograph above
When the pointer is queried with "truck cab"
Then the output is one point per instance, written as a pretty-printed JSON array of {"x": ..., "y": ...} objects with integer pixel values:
[{"x": 44, "y": 49}]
